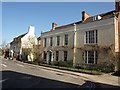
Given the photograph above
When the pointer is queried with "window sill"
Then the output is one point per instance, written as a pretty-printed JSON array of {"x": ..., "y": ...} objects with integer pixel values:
[
  {"x": 90, "y": 43},
  {"x": 90, "y": 63}
]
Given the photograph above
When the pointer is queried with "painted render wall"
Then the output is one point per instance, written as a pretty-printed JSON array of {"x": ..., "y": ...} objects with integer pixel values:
[
  {"x": 29, "y": 39},
  {"x": 26, "y": 41},
  {"x": 16, "y": 47},
  {"x": 61, "y": 48},
  {"x": 106, "y": 37}
]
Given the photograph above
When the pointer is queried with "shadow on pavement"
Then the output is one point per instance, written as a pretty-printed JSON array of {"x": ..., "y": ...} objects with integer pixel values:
[
  {"x": 11, "y": 79},
  {"x": 20, "y": 80}
]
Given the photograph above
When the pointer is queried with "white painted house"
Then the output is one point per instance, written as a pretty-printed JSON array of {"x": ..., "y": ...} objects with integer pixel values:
[{"x": 23, "y": 42}]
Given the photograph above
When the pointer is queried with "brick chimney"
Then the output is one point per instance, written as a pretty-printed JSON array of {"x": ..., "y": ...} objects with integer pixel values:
[
  {"x": 117, "y": 5},
  {"x": 85, "y": 15},
  {"x": 54, "y": 25}
]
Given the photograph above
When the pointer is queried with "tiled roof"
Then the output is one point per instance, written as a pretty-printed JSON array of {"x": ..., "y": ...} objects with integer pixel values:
[
  {"x": 18, "y": 38},
  {"x": 65, "y": 26},
  {"x": 90, "y": 19},
  {"x": 103, "y": 15}
]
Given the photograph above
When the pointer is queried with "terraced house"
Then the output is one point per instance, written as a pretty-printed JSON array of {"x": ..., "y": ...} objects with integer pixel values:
[{"x": 93, "y": 40}]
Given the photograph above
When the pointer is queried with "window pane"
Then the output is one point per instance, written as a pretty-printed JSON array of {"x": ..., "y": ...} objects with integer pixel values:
[
  {"x": 45, "y": 55},
  {"x": 51, "y": 40},
  {"x": 86, "y": 37},
  {"x": 65, "y": 55},
  {"x": 91, "y": 36},
  {"x": 96, "y": 36},
  {"x": 45, "y": 41},
  {"x": 85, "y": 56},
  {"x": 57, "y": 55},
  {"x": 66, "y": 39},
  {"x": 96, "y": 57},
  {"x": 58, "y": 40},
  {"x": 90, "y": 56},
  {"x": 50, "y": 56}
]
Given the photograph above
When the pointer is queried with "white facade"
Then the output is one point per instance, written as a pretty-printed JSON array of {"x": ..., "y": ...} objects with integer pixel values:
[
  {"x": 29, "y": 39},
  {"x": 24, "y": 41}
]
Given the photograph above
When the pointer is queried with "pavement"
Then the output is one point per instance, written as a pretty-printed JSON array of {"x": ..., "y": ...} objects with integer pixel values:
[
  {"x": 46, "y": 77},
  {"x": 105, "y": 78}
]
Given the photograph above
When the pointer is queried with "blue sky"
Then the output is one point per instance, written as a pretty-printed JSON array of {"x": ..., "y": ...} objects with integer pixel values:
[{"x": 17, "y": 16}]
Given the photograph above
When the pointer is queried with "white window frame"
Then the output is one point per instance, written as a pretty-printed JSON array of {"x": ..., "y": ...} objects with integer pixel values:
[
  {"x": 86, "y": 54},
  {"x": 87, "y": 37}
]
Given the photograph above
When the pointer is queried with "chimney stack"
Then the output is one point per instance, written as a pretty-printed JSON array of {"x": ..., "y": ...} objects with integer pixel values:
[
  {"x": 117, "y": 5},
  {"x": 85, "y": 15},
  {"x": 31, "y": 29},
  {"x": 54, "y": 25}
]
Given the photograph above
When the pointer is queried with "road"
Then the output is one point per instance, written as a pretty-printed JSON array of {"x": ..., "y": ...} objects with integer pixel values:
[{"x": 16, "y": 74}]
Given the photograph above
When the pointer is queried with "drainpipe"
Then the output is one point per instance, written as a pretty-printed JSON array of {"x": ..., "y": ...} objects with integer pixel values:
[
  {"x": 74, "y": 55},
  {"x": 116, "y": 33},
  {"x": 117, "y": 49}
]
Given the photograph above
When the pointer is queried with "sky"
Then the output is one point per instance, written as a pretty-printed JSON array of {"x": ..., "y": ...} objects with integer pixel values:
[{"x": 18, "y": 16}]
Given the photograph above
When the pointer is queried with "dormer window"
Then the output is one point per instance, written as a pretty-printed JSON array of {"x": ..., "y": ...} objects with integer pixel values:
[{"x": 97, "y": 18}]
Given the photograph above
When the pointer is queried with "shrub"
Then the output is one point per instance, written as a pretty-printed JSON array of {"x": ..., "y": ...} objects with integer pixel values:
[
  {"x": 103, "y": 67},
  {"x": 62, "y": 63}
]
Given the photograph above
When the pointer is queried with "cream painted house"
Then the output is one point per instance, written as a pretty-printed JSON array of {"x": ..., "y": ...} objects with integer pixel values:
[
  {"x": 89, "y": 41},
  {"x": 97, "y": 38},
  {"x": 94, "y": 37},
  {"x": 58, "y": 43},
  {"x": 23, "y": 43}
]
